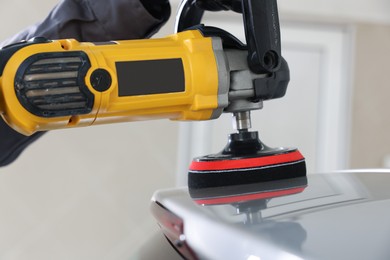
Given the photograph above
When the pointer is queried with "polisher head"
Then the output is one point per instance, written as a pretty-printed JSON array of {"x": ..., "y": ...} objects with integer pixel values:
[{"x": 245, "y": 160}]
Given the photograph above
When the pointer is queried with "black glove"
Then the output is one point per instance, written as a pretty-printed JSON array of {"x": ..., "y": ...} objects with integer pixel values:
[
  {"x": 12, "y": 143},
  {"x": 86, "y": 20},
  {"x": 160, "y": 9}
]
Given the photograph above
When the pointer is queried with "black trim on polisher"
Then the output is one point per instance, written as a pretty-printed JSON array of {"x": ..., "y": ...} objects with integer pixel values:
[{"x": 245, "y": 160}]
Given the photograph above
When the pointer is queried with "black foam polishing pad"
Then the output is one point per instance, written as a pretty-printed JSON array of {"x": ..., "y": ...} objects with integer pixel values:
[{"x": 214, "y": 171}]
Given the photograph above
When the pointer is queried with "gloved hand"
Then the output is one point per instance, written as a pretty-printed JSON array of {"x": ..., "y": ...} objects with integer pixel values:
[
  {"x": 86, "y": 20},
  {"x": 160, "y": 9}
]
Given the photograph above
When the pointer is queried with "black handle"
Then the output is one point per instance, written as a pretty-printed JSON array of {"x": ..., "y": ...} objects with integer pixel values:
[
  {"x": 262, "y": 30},
  {"x": 220, "y": 5},
  {"x": 189, "y": 15},
  {"x": 261, "y": 22}
]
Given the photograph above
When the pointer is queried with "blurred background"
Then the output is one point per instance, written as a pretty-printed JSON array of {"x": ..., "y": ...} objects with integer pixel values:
[{"x": 84, "y": 193}]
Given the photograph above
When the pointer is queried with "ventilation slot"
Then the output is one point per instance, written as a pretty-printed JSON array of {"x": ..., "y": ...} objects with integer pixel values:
[{"x": 53, "y": 85}]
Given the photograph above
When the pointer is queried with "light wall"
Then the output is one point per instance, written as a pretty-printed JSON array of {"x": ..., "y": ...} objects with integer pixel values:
[
  {"x": 18, "y": 14},
  {"x": 370, "y": 143},
  {"x": 376, "y": 11}
]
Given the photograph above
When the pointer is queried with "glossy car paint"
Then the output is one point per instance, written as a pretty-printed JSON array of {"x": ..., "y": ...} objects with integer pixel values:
[{"x": 342, "y": 215}]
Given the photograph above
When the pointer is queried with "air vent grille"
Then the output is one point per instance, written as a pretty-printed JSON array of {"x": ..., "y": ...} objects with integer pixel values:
[{"x": 52, "y": 84}]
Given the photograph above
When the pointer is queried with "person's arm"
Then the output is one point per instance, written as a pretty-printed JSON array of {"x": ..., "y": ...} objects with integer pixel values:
[{"x": 86, "y": 20}]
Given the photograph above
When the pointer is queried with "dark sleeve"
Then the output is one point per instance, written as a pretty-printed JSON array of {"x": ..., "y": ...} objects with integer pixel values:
[{"x": 86, "y": 20}]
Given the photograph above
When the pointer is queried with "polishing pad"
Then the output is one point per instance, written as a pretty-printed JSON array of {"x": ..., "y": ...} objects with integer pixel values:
[{"x": 245, "y": 160}]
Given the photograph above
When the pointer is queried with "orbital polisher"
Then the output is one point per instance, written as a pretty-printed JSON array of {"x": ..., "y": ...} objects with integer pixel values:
[{"x": 195, "y": 74}]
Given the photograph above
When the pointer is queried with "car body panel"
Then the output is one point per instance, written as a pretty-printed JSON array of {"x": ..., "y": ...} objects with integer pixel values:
[{"x": 343, "y": 215}]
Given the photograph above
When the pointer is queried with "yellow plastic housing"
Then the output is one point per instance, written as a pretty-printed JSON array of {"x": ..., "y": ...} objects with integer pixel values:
[{"x": 197, "y": 101}]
